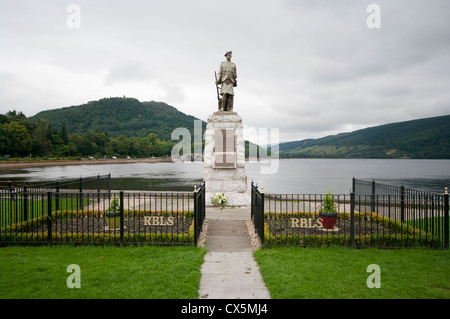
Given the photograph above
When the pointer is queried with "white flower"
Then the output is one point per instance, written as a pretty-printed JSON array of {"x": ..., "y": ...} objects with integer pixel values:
[{"x": 219, "y": 199}]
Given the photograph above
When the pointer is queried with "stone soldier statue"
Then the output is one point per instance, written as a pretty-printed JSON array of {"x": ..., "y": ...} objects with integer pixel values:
[{"x": 227, "y": 78}]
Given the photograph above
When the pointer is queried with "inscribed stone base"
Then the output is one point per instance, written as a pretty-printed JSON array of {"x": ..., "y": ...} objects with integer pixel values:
[{"x": 228, "y": 177}]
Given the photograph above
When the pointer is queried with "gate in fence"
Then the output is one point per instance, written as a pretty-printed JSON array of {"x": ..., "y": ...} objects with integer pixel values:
[{"x": 363, "y": 220}]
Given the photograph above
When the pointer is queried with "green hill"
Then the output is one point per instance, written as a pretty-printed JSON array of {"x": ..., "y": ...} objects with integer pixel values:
[
  {"x": 422, "y": 138},
  {"x": 120, "y": 116}
]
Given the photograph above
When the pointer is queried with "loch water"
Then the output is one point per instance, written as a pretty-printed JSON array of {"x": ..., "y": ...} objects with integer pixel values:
[{"x": 286, "y": 176}]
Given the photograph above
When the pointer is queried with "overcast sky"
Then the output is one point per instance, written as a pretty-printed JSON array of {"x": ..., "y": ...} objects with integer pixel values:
[{"x": 309, "y": 68}]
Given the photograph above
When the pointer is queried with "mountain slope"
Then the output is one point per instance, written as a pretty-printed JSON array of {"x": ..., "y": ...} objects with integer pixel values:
[
  {"x": 120, "y": 116},
  {"x": 422, "y": 138}
]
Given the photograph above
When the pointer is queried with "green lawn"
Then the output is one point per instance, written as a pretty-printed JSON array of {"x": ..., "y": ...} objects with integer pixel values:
[
  {"x": 174, "y": 272},
  {"x": 341, "y": 273},
  {"x": 105, "y": 272}
]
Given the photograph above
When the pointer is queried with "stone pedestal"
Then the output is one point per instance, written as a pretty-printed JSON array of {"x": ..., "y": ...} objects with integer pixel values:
[{"x": 224, "y": 159}]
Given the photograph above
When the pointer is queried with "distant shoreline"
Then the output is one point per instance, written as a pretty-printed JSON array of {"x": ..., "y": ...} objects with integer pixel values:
[
  {"x": 42, "y": 163},
  {"x": 10, "y": 165}
]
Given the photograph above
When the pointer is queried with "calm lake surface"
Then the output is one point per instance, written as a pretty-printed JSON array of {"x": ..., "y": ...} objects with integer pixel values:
[{"x": 305, "y": 176}]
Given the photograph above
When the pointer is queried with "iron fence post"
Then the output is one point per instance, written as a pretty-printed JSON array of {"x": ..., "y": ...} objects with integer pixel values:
[
  {"x": 98, "y": 188},
  {"x": 81, "y": 194},
  {"x": 195, "y": 216},
  {"x": 203, "y": 202},
  {"x": 11, "y": 200},
  {"x": 25, "y": 203},
  {"x": 372, "y": 197},
  {"x": 352, "y": 219},
  {"x": 121, "y": 218},
  {"x": 49, "y": 217},
  {"x": 261, "y": 218},
  {"x": 57, "y": 196},
  {"x": 446, "y": 218},
  {"x": 402, "y": 203},
  {"x": 252, "y": 202}
]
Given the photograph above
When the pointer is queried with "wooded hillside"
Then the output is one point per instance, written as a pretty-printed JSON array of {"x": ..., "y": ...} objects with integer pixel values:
[
  {"x": 119, "y": 116},
  {"x": 422, "y": 138}
]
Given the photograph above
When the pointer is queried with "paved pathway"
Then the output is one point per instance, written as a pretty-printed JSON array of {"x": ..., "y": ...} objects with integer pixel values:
[{"x": 229, "y": 270}]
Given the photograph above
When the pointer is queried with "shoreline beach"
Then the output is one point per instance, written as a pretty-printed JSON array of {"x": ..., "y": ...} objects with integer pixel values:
[{"x": 28, "y": 164}]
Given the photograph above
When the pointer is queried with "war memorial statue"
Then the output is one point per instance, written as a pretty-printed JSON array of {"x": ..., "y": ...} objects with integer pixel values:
[
  {"x": 224, "y": 153},
  {"x": 227, "y": 78}
]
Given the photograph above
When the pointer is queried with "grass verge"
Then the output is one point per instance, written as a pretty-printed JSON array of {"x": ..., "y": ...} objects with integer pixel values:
[
  {"x": 106, "y": 272},
  {"x": 341, "y": 273}
]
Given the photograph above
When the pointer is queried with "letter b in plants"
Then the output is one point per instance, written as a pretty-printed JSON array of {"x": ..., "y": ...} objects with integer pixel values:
[
  {"x": 74, "y": 280},
  {"x": 374, "y": 280}
]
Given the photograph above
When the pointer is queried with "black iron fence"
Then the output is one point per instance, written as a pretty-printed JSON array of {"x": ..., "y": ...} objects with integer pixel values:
[
  {"x": 380, "y": 220},
  {"x": 199, "y": 210},
  {"x": 366, "y": 187},
  {"x": 113, "y": 217},
  {"x": 257, "y": 211},
  {"x": 18, "y": 202},
  {"x": 91, "y": 183},
  {"x": 408, "y": 205}
]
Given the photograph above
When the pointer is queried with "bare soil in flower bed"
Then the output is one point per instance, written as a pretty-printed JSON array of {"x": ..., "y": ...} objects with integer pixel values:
[
  {"x": 342, "y": 227},
  {"x": 94, "y": 225}
]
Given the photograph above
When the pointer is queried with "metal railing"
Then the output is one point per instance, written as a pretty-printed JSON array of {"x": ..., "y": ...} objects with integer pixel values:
[
  {"x": 51, "y": 217},
  {"x": 351, "y": 220},
  {"x": 199, "y": 210},
  {"x": 23, "y": 198},
  {"x": 366, "y": 187},
  {"x": 90, "y": 183},
  {"x": 257, "y": 211}
]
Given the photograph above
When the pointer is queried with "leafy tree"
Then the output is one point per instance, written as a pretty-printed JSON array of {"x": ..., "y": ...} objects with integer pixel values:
[
  {"x": 120, "y": 145},
  {"x": 18, "y": 138},
  {"x": 40, "y": 142},
  {"x": 3, "y": 119},
  {"x": 63, "y": 133},
  {"x": 80, "y": 145}
]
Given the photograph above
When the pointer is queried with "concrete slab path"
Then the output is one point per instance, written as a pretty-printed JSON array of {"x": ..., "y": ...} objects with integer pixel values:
[{"x": 229, "y": 270}]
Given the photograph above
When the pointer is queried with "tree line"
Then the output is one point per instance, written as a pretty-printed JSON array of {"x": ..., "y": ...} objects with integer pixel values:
[{"x": 19, "y": 137}]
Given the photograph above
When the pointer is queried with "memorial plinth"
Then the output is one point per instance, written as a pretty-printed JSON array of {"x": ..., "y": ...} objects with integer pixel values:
[{"x": 224, "y": 159}]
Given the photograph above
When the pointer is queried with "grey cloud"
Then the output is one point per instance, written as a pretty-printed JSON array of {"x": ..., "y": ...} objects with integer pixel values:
[
  {"x": 127, "y": 71},
  {"x": 310, "y": 68}
]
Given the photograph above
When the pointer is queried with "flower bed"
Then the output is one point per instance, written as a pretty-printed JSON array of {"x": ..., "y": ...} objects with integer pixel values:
[
  {"x": 369, "y": 230},
  {"x": 91, "y": 227}
]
